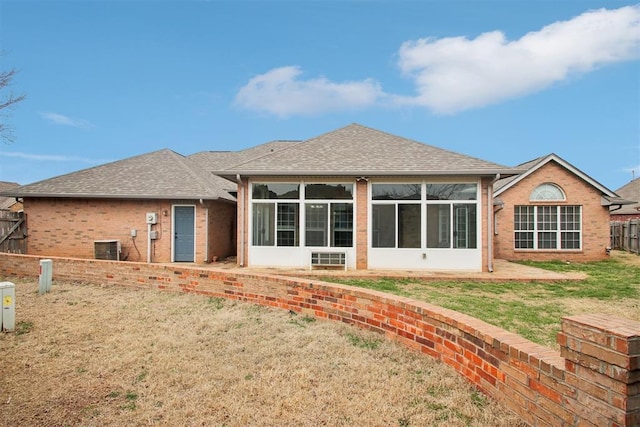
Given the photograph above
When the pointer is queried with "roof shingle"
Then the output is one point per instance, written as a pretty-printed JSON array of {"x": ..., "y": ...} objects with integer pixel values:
[{"x": 359, "y": 150}]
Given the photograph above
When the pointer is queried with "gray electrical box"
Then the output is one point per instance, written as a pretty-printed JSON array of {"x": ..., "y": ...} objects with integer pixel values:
[
  {"x": 46, "y": 276},
  {"x": 153, "y": 235},
  {"x": 8, "y": 309}
]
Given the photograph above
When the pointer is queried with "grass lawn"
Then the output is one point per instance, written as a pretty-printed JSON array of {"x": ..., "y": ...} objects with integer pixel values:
[
  {"x": 86, "y": 355},
  {"x": 531, "y": 309}
]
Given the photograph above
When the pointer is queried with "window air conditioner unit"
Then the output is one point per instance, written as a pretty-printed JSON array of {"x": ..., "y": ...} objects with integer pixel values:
[{"x": 107, "y": 249}]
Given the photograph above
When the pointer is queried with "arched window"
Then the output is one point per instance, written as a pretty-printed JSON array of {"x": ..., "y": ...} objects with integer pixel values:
[{"x": 547, "y": 192}]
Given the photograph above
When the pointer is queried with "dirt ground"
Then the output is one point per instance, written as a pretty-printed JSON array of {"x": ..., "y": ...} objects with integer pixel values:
[{"x": 85, "y": 355}]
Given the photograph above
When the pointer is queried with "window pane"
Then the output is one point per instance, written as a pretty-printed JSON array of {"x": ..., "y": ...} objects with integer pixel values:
[
  {"x": 524, "y": 240},
  {"x": 439, "y": 226},
  {"x": 383, "y": 218},
  {"x": 523, "y": 218},
  {"x": 276, "y": 191},
  {"x": 452, "y": 191},
  {"x": 570, "y": 218},
  {"x": 547, "y": 217},
  {"x": 263, "y": 224},
  {"x": 547, "y": 192},
  {"x": 396, "y": 191},
  {"x": 288, "y": 218},
  {"x": 547, "y": 240},
  {"x": 328, "y": 191},
  {"x": 464, "y": 226},
  {"x": 570, "y": 240},
  {"x": 316, "y": 224},
  {"x": 342, "y": 225},
  {"x": 409, "y": 226}
]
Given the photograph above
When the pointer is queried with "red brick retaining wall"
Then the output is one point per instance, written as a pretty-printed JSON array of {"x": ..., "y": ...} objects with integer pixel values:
[{"x": 593, "y": 381}]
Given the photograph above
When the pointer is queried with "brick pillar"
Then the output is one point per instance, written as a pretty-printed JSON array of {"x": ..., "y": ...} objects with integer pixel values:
[
  {"x": 361, "y": 220},
  {"x": 603, "y": 367}
]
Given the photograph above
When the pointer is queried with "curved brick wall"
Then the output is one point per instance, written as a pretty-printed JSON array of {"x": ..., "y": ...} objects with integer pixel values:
[{"x": 593, "y": 380}]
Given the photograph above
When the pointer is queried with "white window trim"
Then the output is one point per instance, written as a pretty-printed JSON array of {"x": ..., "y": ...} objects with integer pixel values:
[
  {"x": 424, "y": 202},
  {"x": 302, "y": 202},
  {"x": 558, "y": 231}
]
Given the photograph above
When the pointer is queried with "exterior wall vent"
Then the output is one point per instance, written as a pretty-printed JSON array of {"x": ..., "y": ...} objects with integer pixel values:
[{"x": 107, "y": 249}]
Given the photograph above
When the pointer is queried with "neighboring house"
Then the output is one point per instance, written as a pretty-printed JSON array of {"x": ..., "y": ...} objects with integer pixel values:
[
  {"x": 552, "y": 211},
  {"x": 9, "y": 203},
  {"x": 630, "y": 191},
  {"x": 367, "y": 198}
]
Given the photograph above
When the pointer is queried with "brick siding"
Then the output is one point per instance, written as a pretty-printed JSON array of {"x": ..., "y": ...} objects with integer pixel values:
[
  {"x": 595, "y": 217},
  {"x": 69, "y": 227},
  {"x": 593, "y": 381}
]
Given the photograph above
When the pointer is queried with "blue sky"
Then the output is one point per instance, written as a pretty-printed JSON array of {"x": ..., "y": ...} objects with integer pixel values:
[{"x": 505, "y": 81}]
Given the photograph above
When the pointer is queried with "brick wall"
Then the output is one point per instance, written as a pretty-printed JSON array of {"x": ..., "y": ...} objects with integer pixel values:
[
  {"x": 221, "y": 230},
  {"x": 593, "y": 381},
  {"x": 69, "y": 227},
  {"x": 595, "y": 218}
]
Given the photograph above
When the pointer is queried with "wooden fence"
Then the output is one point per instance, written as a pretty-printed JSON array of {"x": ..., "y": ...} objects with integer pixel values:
[
  {"x": 13, "y": 232},
  {"x": 624, "y": 235}
]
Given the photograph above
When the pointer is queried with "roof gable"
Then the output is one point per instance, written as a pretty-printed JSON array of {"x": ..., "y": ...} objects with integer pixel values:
[
  {"x": 359, "y": 150},
  {"x": 533, "y": 165}
]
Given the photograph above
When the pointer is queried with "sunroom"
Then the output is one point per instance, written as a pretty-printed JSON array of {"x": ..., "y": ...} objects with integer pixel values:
[
  {"x": 425, "y": 224},
  {"x": 293, "y": 222},
  {"x": 365, "y": 199}
]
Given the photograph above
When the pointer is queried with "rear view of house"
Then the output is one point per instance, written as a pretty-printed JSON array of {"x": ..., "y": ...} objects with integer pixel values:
[{"x": 366, "y": 199}]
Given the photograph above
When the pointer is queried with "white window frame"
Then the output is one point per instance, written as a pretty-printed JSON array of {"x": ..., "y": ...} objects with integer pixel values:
[{"x": 559, "y": 230}]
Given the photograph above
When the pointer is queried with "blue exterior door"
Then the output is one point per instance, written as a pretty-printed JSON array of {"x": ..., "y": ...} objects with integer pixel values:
[{"x": 183, "y": 233}]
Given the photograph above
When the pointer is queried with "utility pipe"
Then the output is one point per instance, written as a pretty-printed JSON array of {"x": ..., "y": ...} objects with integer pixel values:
[
  {"x": 490, "y": 223},
  {"x": 206, "y": 231},
  {"x": 149, "y": 243},
  {"x": 240, "y": 245}
]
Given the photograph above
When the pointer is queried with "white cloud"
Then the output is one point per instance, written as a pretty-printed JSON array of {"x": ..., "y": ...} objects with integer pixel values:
[
  {"x": 281, "y": 92},
  {"x": 455, "y": 73},
  {"x": 48, "y": 157},
  {"x": 61, "y": 119}
]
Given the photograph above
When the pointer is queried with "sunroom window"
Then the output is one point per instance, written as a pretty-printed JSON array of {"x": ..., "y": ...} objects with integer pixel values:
[
  {"x": 400, "y": 213},
  {"x": 285, "y": 213}
]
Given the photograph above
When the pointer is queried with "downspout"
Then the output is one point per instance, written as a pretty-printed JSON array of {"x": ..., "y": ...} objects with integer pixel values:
[
  {"x": 206, "y": 231},
  {"x": 490, "y": 224},
  {"x": 241, "y": 220}
]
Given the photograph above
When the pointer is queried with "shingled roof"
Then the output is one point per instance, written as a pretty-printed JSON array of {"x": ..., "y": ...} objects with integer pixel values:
[
  {"x": 7, "y": 202},
  {"x": 630, "y": 191},
  {"x": 359, "y": 150},
  {"x": 533, "y": 165},
  {"x": 162, "y": 174}
]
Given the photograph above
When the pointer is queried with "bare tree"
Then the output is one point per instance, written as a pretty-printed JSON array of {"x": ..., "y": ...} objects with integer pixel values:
[{"x": 7, "y": 100}]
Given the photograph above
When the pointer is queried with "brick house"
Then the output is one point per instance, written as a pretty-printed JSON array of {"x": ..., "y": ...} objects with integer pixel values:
[
  {"x": 356, "y": 197},
  {"x": 156, "y": 207},
  {"x": 12, "y": 204},
  {"x": 630, "y": 191},
  {"x": 552, "y": 211}
]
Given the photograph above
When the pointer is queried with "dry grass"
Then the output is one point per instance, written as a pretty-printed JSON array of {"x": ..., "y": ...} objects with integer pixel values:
[{"x": 95, "y": 356}]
